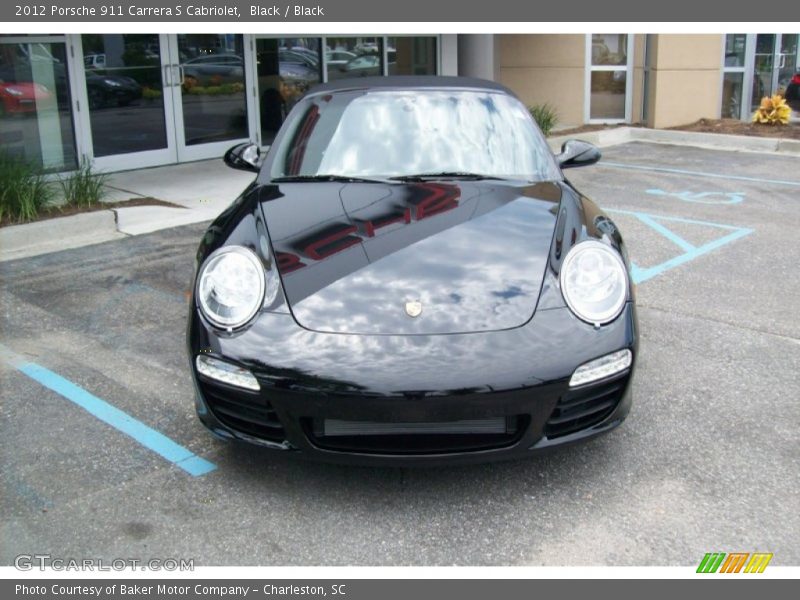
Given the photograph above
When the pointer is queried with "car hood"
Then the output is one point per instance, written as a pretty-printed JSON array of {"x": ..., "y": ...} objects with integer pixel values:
[{"x": 364, "y": 258}]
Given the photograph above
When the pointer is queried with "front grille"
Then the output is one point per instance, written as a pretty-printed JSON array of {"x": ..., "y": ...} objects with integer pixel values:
[
  {"x": 244, "y": 411},
  {"x": 419, "y": 438},
  {"x": 583, "y": 408}
]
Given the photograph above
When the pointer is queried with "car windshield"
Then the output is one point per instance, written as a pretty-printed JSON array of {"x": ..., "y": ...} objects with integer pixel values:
[{"x": 394, "y": 134}]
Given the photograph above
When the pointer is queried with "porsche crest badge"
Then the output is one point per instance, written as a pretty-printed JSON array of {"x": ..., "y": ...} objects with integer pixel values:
[{"x": 414, "y": 308}]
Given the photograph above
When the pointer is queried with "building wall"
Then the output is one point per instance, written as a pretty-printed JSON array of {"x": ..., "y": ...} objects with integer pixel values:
[
  {"x": 685, "y": 80},
  {"x": 546, "y": 69}
]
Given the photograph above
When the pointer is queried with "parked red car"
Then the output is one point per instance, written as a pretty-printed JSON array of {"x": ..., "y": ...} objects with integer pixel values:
[
  {"x": 17, "y": 97},
  {"x": 793, "y": 93}
]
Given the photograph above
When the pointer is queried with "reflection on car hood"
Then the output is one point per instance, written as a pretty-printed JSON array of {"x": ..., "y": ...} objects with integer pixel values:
[{"x": 364, "y": 258}]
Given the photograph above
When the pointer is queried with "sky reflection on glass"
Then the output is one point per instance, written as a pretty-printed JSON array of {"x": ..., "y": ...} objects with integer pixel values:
[{"x": 394, "y": 133}]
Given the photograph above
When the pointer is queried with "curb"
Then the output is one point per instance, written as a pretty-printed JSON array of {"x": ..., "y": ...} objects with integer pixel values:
[
  {"x": 715, "y": 141},
  {"x": 85, "y": 229},
  {"x": 60, "y": 233}
]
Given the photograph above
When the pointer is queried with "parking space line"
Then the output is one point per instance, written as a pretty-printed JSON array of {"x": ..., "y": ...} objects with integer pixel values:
[
  {"x": 670, "y": 235},
  {"x": 617, "y": 165},
  {"x": 147, "y": 436},
  {"x": 642, "y": 274}
]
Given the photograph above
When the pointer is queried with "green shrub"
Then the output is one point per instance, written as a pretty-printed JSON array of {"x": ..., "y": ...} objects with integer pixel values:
[
  {"x": 24, "y": 189},
  {"x": 222, "y": 89},
  {"x": 151, "y": 94},
  {"x": 84, "y": 188},
  {"x": 545, "y": 116}
]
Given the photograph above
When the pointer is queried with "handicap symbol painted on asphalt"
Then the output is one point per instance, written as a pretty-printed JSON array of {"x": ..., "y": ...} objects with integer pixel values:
[
  {"x": 702, "y": 197},
  {"x": 660, "y": 225}
]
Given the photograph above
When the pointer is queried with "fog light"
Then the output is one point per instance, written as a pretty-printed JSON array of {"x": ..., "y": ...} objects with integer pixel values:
[
  {"x": 602, "y": 367},
  {"x": 226, "y": 372}
]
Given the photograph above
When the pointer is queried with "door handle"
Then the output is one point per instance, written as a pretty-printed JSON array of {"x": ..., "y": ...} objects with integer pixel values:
[
  {"x": 176, "y": 79},
  {"x": 167, "y": 76}
]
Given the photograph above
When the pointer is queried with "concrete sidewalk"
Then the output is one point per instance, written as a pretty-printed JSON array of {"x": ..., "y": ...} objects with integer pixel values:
[{"x": 205, "y": 188}]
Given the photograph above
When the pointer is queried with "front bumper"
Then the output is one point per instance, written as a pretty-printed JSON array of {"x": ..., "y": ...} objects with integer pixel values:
[{"x": 525, "y": 382}]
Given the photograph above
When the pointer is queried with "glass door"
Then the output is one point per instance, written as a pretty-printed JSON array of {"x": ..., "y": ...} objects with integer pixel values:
[
  {"x": 763, "y": 69},
  {"x": 786, "y": 61},
  {"x": 125, "y": 91},
  {"x": 775, "y": 64},
  {"x": 213, "y": 110}
]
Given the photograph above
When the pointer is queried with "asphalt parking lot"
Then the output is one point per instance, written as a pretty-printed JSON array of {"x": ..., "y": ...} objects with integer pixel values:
[{"x": 707, "y": 460}]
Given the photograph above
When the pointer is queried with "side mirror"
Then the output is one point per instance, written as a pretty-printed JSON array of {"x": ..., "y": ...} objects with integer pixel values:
[
  {"x": 245, "y": 157},
  {"x": 575, "y": 153}
]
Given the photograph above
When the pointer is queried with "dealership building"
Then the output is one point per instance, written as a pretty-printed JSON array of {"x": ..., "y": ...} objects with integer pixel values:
[{"x": 125, "y": 101}]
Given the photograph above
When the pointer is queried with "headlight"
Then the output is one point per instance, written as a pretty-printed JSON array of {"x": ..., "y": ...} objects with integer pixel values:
[
  {"x": 112, "y": 83},
  {"x": 231, "y": 286},
  {"x": 594, "y": 282},
  {"x": 226, "y": 372},
  {"x": 602, "y": 367},
  {"x": 13, "y": 91}
]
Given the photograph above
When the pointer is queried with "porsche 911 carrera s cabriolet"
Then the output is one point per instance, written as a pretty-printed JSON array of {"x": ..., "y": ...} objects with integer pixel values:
[{"x": 410, "y": 279}]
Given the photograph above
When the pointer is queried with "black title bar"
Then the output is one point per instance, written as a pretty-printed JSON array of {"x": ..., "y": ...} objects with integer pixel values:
[{"x": 450, "y": 11}]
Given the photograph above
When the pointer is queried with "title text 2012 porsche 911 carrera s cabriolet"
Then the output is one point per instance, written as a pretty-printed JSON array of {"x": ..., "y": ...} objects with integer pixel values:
[{"x": 411, "y": 280}]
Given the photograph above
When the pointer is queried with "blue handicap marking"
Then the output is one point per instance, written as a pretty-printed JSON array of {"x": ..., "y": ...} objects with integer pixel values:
[
  {"x": 701, "y": 197},
  {"x": 690, "y": 251}
]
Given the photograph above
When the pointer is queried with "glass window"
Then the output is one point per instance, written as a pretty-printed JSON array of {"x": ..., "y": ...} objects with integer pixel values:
[
  {"x": 353, "y": 57},
  {"x": 125, "y": 91},
  {"x": 397, "y": 133},
  {"x": 608, "y": 94},
  {"x": 735, "y": 44},
  {"x": 287, "y": 68},
  {"x": 732, "y": 85},
  {"x": 35, "y": 110},
  {"x": 608, "y": 78},
  {"x": 609, "y": 49},
  {"x": 411, "y": 55}
]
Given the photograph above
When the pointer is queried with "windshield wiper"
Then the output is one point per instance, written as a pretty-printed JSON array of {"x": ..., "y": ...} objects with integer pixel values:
[
  {"x": 445, "y": 175},
  {"x": 340, "y": 178}
]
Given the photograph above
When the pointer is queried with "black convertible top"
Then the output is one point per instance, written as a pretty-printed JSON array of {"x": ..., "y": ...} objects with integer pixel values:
[{"x": 407, "y": 82}]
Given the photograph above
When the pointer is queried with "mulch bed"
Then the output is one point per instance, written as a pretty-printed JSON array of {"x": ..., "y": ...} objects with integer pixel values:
[
  {"x": 67, "y": 211},
  {"x": 588, "y": 128},
  {"x": 736, "y": 127},
  {"x": 725, "y": 126}
]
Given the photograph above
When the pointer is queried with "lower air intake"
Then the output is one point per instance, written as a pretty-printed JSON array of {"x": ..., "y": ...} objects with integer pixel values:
[
  {"x": 334, "y": 427},
  {"x": 409, "y": 438},
  {"x": 585, "y": 407}
]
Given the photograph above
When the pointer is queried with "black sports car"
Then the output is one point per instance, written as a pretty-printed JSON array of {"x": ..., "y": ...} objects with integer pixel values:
[{"x": 411, "y": 280}]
